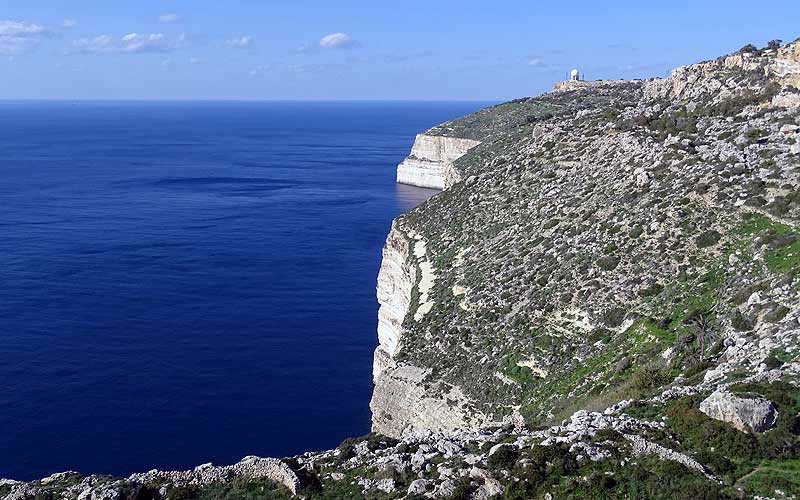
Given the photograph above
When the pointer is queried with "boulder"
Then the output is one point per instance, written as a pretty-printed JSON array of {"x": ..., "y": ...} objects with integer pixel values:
[
  {"x": 418, "y": 487},
  {"x": 445, "y": 489},
  {"x": 489, "y": 489},
  {"x": 747, "y": 414}
]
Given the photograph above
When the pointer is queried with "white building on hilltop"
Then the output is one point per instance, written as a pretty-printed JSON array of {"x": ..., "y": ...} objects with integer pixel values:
[{"x": 574, "y": 75}]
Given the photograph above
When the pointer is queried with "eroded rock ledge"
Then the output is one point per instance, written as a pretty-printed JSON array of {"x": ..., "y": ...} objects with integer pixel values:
[{"x": 430, "y": 164}]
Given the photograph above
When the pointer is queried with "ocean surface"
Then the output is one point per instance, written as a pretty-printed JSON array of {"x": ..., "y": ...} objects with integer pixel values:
[{"x": 184, "y": 283}]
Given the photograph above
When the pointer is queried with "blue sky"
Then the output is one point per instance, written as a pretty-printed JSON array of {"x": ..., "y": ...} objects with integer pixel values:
[{"x": 347, "y": 49}]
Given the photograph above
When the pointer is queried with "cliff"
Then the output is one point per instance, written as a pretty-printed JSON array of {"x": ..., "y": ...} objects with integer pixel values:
[
  {"x": 556, "y": 258},
  {"x": 431, "y": 161},
  {"x": 604, "y": 302}
]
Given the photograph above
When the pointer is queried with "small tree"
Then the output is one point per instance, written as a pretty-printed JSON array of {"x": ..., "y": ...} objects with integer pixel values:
[
  {"x": 704, "y": 333},
  {"x": 774, "y": 44},
  {"x": 748, "y": 48}
]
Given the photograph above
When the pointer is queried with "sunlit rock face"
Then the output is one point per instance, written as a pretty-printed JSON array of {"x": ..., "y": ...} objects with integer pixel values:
[{"x": 430, "y": 159}]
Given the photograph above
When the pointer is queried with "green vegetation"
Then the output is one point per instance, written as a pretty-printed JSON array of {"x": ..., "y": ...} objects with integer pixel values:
[
  {"x": 503, "y": 458},
  {"x": 708, "y": 238},
  {"x": 732, "y": 454},
  {"x": 237, "y": 489},
  {"x": 754, "y": 134},
  {"x": 781, "y": 241},
  {"x": 771, "y": 476},
  {"x": 774, "y": 44},
  {"x": 553, "y": 470},
  {"x": 749, "y": 48}
]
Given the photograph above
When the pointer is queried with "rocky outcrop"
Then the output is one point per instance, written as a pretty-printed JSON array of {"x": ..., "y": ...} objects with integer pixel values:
[
  {"x": 748, "y": 414},
  {"x": 154, "y": 483},
  {"x": 430, "y": 163},
  {"x": 248, "y": 468},
  {"x": 403, "y": 402},
  {"x": 567, "y": 85}
]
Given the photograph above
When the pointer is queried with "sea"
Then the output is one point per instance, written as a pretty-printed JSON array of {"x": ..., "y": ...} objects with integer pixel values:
[{"x": 192, "y": 282}]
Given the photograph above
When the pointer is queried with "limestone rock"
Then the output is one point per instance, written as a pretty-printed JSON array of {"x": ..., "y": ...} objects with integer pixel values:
[
  {"x": 418, "y": 487},
  {"x": 430, "y": 159},
  {"x": 750, "y": 414},
  {"x": 249, "y": 468}
]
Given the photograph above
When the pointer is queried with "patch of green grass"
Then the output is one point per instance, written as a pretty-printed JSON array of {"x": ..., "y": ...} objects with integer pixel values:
[
  {"x": 784, "y": 259},
  {"x": 520, "y": 374},
  {"x": 647, "y": 327},
  {"x": 783, "y": 255},
  {"x": 647, "y": 477},
  {"x": 755, "y": 224},
  {"x": 238, "y": 489},
  {"x": 645, "y": 411},
  {"x": 772, "y": 476}
]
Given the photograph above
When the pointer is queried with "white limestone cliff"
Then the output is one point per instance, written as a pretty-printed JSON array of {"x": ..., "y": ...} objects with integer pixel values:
[
  {"x": 396, "y": 279},
  {"x": 401, "y": 402},
  {"x": 430, "y": 163}
]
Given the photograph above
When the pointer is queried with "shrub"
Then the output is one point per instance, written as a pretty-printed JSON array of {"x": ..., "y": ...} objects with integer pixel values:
[
  {"x": 614, "y": 317},
  {"x": 776, "y": 314},
  {"x": 754, "y": 134},
  {"x": 647, "y": 378},
  {"x": 463, "y": 490},
  {"x": 739, "y": 322},
  {"x": 774, "y": 44},
  {"x": 697, "y": 368},
  {"x": 183, "y": 493},
  {"x": 243, "y": 489},
  {"x": 772, "y": 361},
  {"x": 608, "y": 263},
  {"x": 707, "y": 239},
  {"x": 503, "y": 458}
]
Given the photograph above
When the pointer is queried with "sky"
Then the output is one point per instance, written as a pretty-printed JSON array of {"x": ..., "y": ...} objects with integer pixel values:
[{"x": 349, "y": 49}]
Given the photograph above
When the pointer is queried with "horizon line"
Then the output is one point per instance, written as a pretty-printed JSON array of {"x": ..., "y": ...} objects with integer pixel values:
[{"x": 133, "y": 100}]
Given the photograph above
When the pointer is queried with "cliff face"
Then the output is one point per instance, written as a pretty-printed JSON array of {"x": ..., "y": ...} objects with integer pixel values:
[
  {"x": 396, "y": 279},
  {"x": 403, "y": 401},
  {"x": 599, "y": 248},
  {"x": 431, "y": 161}
]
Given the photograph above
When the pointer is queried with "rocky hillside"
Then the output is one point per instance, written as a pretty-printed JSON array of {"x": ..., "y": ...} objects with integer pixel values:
[{"x": 603, "y": 303}]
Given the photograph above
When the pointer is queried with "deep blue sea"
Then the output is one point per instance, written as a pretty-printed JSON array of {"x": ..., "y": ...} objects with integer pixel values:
[{"x": 184, "y": 283}]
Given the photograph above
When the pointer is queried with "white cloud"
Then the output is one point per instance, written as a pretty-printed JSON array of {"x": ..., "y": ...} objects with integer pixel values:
[
  {"x": 153, "y": 42},
  {"x": 132, "y": 43},
  {"x": 536, "y": 63},
  {"x": 69, "y": 23},
  {"x": 338, "y": 41},
  {"x": 17, "y": 37},
  {"x": 242, "y": 42},
  {"x": 17, "y": 28},
  {"x": 169, "y": 17}
]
